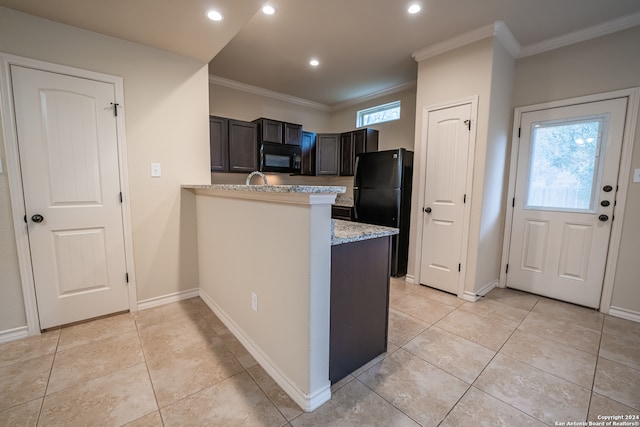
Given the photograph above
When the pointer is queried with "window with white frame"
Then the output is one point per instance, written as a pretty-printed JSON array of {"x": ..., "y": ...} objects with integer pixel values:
[{"x": 378, "y": 114}]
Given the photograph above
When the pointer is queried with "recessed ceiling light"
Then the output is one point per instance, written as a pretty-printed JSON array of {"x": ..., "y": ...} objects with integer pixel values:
[
  {"x": 268, "y": 10},
  {"x": 214, "y": 15},
  {"x": 414, "y": 8},
  {"x": 314, "y": 62}
]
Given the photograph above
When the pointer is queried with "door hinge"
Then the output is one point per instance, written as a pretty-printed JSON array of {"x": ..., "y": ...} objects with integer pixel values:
[
  {"x": 459, "y": 267},
  {"x": 115, "y": 108},
  {"x": 519, "y": 130},
  {"x": 464, "y": 199},
  {"x": 507, "y": 269},
  {"x": 126, "y": 277},
  {"x": 513, "y": 202},
  {"x": 468, "y": 123},
  {"x": 25, "y": 220},
  {"x": 121, "y": 197}
]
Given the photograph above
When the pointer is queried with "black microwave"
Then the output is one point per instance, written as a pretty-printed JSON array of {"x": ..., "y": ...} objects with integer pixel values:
[{"x": 280, "y": 158}]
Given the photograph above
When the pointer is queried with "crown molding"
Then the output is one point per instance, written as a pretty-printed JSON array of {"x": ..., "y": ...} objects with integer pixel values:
[
  {"x": 506, "y": 37},
  {"x": 221, "y": 81},
  {"x": 395, "y": 89},
  {"x": 582, "y": 35},
  {"x": 453, "y": 43}
]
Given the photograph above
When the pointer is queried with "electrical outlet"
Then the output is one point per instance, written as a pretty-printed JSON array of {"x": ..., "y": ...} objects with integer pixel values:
[
  {"x": 254, "y": 301},
  {"x": 636, "y": 175},
  {"x": 156, "y": 170}
]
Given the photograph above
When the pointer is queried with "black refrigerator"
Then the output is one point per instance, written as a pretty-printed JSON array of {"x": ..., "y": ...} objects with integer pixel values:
[{"x": 382, "y": 196}]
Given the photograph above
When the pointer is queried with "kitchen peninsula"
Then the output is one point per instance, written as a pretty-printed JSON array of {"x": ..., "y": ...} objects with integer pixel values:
[{"x": 280, "y": 274}]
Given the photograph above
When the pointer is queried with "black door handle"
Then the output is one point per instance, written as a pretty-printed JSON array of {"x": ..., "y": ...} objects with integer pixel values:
[
  {"x": 427, "y": 210},
  {"x": 603, "y": 218},
  {"x": 37, "y": 218}
]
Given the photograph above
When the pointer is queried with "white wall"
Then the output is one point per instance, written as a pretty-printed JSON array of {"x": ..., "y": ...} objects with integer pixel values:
[
  {"x": 600, "y": 65},
  {"x": 166, "y": 113}
]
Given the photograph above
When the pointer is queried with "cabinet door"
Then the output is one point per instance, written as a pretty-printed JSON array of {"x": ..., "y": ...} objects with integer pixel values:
[
  {"x": 292, "y": 134},
  {"x": 327, "y": 153},
  {"x": 347, "y": 153},
  {"x": 270, "y": 130},
  {"x": 308, "y": 153},
  {"x": 219, "y": 144},
  {"x": 243, "y": 146}
]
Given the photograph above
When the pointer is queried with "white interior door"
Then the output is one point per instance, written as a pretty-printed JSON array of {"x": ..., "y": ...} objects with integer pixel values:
[
  {"x": 565, "y": 195},
  {"x": 70, "y": 173},
  {"x": 448, "y": 136}
]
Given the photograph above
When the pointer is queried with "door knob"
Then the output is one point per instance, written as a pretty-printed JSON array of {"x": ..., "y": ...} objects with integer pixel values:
[
  {"x": 603, "y": 218},
  {"x": 37, "y": 218},
  {"x": 427, "y": 210},
  {"x": 607, "y": 188}
]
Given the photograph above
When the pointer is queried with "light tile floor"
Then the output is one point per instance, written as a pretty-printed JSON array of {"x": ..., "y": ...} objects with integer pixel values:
[{"x": 511, "y": 359}]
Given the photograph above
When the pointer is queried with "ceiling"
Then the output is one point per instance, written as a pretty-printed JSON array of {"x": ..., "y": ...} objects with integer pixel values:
[{"x": 364, "y": 46}]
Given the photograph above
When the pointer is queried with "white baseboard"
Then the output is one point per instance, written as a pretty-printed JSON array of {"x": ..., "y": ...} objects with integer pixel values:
[
  {"x": 167, "y": 299},
  {"x": 473, "y": 297},
  {"x": 308, "y": 402},
  {"x": 14, "y": 334},
  {"x": 410, "y": 279},
  {"x": 634, "y": 316}
]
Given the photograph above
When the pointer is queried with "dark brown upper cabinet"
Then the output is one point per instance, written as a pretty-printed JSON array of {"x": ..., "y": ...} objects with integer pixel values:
[
  {"x": 233, "y": 145},
  {"x": 292, "y": 134},
  {"x": 327, "y": 153},
  {"x": 308, "y": 153},
  {"x": 353, "y": 143},
  {"x": 243, "y": 146},
  {"x": 270, "y": 130},
  {"x": 219, "y": 143},
  {"x": 278, "y": 132}
]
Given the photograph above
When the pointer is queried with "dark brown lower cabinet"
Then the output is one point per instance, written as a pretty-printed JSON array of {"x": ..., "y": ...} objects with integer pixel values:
[{"x": 359, "y": 304}]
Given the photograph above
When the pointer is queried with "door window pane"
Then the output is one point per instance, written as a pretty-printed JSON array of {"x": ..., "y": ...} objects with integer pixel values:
[{"x": 564, "y": 164}]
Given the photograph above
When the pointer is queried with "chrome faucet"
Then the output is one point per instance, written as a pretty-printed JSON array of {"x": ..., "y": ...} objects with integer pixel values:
[{"x": 254, "y": 173}]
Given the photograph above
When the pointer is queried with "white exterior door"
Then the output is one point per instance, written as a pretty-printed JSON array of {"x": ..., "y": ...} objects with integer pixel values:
[
  {"x": 448, "y": 137},
  {"x": 68, "y": 145},
  {"x": 565, "y": 195}
]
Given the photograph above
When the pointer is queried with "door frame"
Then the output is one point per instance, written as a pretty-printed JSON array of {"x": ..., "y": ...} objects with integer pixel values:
[
  {"x": 15, "y": 178},
  {"x": 473, "y": 100},
  {"x": 624, "y": 172}
]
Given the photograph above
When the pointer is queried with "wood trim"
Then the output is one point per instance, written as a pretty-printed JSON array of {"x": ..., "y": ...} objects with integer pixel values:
[
  {"x": 14, "y": 334},
  {"x": 168, "y": 299}
]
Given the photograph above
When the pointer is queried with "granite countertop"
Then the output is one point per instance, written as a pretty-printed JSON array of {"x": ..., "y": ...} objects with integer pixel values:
[
  {"x": 314, "y": 189},
  {"x": 344, "y": 200},
  {"x": 349, "y": 231}
]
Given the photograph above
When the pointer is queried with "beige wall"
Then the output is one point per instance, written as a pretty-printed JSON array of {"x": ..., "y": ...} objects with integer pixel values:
[
  {"x": 166, "y": 110},
  {"x": 242, "y": 105},
  {"x": 12, "y": 313},
  {"x": 604, "y": 64},
  {"x": 495, "y": 168},
  {"x": 394, "y": 134},
  {"x": 289, "y": 332},
  {"x": 454, "y": 75}
]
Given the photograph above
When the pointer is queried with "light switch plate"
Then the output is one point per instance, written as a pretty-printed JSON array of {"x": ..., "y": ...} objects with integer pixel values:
[
  {"x": 636, "y": 175},
  {"x": 156, "y": 170}
]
